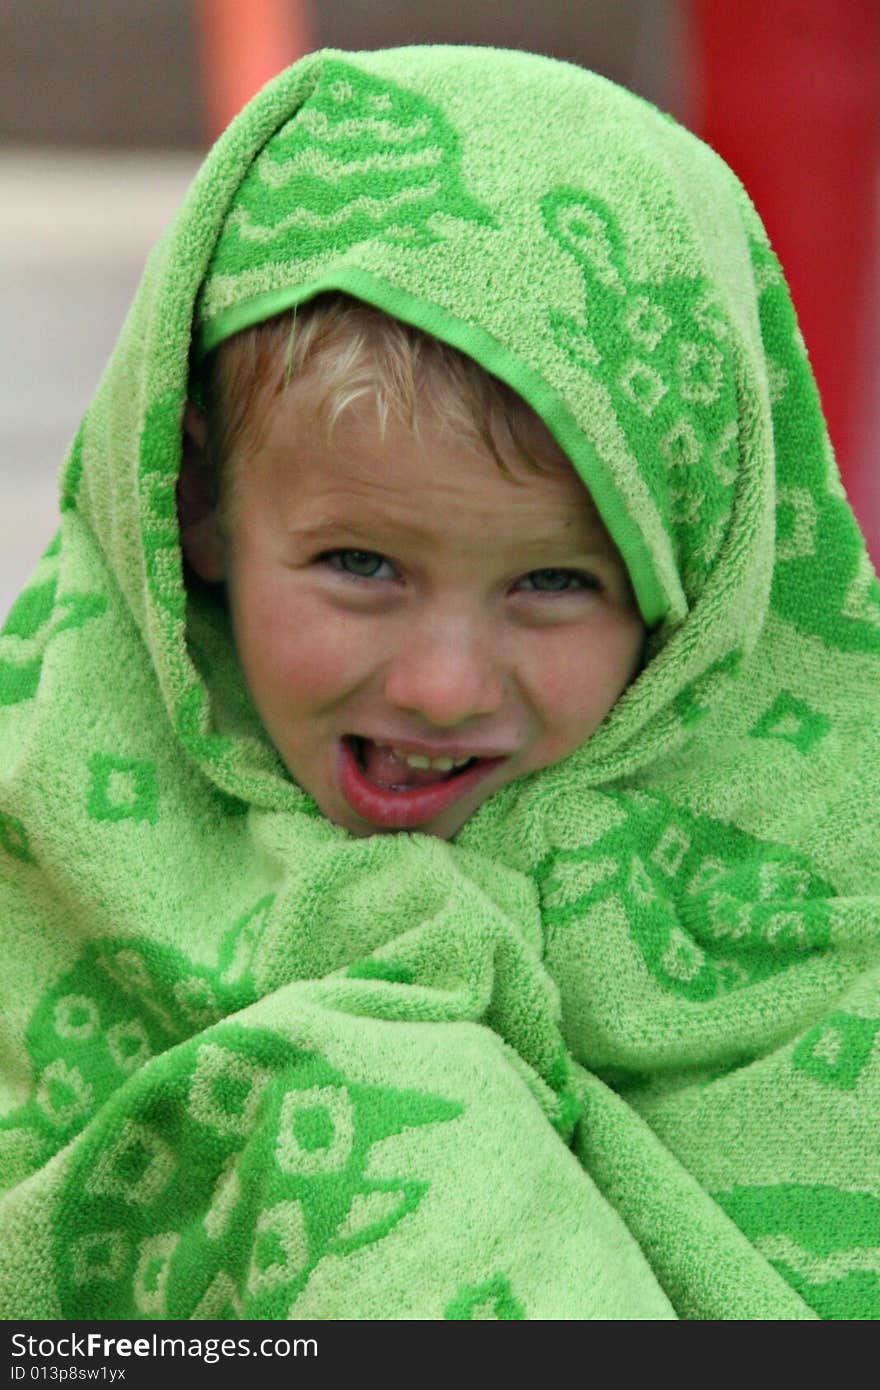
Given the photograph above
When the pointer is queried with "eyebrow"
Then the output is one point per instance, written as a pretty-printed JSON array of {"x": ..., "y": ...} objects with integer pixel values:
[
  {"x": 377, "y": 531},
  {"x": 313, "y": 530}
]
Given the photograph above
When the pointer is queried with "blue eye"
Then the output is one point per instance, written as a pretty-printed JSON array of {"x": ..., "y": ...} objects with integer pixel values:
[
  {"x": 362, "y": 564},
  {"x": 557, "y": 581}
]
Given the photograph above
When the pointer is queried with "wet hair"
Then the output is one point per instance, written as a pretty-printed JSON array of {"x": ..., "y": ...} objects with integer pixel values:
[{"x": 349, "y": 354}]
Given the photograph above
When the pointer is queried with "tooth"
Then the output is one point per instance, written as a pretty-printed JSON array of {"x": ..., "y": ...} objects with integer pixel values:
[{"x": 421, "y": 761}]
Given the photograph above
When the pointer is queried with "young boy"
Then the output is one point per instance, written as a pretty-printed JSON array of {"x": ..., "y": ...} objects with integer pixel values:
[
  {"x": 423, "y": 613},
  {"x": 437, "y": 803}
]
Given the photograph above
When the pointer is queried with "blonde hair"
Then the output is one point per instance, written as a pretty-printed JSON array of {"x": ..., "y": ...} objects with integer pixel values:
[{"x": 352, "y": 353}]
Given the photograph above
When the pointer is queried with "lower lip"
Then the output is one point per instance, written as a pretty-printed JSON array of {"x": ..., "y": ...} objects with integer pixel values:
[{"x": 407, "y": 807}]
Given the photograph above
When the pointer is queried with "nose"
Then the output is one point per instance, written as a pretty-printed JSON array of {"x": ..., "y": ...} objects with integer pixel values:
[{"x": 446, "y": 673}]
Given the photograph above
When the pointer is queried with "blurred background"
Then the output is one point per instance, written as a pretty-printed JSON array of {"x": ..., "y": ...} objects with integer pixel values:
[{"x": 106, "y": 110}]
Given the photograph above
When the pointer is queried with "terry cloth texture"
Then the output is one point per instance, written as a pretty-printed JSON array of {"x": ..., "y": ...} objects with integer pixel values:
[{"x": 612, "y": 1053}]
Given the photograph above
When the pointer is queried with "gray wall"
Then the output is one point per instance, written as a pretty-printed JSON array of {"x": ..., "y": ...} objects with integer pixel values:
[{"x": 125, "y": 72}]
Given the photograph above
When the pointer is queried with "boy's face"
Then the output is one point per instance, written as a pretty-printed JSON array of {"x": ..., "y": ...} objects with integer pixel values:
[{"x": 398, "y": 600}]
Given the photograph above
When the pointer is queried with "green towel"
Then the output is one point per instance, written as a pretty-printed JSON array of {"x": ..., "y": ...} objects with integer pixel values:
[{"x": 611, "y": 1052}]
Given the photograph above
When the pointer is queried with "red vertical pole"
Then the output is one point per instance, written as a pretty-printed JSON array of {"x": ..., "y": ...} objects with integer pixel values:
[
  {"x": 789, "y": 95},
  {"x": 240, "y": 45}
]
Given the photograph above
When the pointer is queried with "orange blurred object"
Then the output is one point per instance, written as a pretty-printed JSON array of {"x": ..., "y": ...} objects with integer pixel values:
[{"x": 241, "y": 44}]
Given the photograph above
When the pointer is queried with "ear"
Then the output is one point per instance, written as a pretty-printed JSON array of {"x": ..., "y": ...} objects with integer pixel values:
[{"x": 201, "y": 537}]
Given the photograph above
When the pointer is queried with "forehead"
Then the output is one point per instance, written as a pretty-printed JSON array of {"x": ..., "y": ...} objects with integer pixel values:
[{"x": 425, "y": 479}]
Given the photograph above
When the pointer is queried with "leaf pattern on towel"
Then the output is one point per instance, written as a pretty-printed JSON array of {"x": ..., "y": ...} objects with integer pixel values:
[
  {"x": 836, "y": 1051},
  {"x": 824, "y": 1242},
  {"x": 492, "y": 1301},
  {"x": 216, "y": 1164},
  {"x": 823, "y": 581},
  {"x": 223, "y": 1174},
  {"x": 37, "y": 617},
  {"x": 710, "y": 908},
  {"x": 361, "y": 158},
  {"x": 122, "y": 1003},
  {"x": 14, "y": 839},
  {"x": 663, "y": 353}
]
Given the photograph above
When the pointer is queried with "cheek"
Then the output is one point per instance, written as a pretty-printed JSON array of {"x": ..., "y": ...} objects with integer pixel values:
[
  {"x": 581, "y": 678},
  {"x": 293, "y": 651}
]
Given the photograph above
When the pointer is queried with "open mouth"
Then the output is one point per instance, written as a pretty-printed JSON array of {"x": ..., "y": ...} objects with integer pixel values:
[
  {"x": 388, "y": 768},
  {"x": 395, "y": 790}
]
